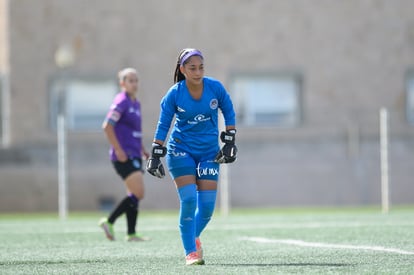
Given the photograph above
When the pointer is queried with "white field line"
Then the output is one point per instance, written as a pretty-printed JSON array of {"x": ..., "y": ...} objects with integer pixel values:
[{"x": 327, "y": 245}]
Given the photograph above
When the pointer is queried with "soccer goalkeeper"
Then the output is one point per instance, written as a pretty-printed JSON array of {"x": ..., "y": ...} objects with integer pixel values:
[{"x": 193, "y": 154}]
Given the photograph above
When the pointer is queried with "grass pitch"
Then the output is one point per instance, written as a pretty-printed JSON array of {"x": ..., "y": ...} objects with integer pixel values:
[{"x": 258, "y": 241}]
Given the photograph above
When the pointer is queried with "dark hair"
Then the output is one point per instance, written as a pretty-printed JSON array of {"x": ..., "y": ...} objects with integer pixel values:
[
  {"x": 178, "y": 75},
  {"x": 183, "y": 57}
]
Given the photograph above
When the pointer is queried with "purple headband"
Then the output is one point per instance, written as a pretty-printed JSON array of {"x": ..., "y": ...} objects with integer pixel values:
[{"x": 190, "y": 53}]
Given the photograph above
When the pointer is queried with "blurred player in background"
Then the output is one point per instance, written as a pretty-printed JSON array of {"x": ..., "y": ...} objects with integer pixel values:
[
  {"x": 193, "y": 154},
  {"x": 122, "y": 127}
]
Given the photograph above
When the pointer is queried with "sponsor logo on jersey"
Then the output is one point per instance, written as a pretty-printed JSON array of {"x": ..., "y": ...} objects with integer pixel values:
[
  {"x": 115, "y": 116},
  {"x": 199, "y": 118},
  {"x": 178, "y": 154},
  {"x": 133, "y": 110}
]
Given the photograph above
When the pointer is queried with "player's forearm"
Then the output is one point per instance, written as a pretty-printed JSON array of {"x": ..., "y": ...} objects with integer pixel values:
[
  {"x": 111, "y": 136},
  {"x": 158, "y": 141}
]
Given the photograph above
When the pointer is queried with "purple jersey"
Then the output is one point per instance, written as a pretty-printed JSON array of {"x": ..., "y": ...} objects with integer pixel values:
[{"x": 125, "y": 115}]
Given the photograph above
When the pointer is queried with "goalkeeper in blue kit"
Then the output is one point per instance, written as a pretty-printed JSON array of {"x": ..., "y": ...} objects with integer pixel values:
[{"x": 193, "y": 152}]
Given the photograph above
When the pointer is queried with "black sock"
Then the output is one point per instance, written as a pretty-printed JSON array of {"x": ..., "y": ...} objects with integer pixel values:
[
  {"x": 119, "y": 210},
  {"x": 132, "y": 214}
]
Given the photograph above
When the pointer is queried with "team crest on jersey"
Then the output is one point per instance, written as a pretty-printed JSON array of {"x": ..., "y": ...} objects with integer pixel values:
[{"x": 213, "y": 104}]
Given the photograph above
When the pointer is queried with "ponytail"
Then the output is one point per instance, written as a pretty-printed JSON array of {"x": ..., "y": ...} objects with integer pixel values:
[{"x": 178, "y": 75}]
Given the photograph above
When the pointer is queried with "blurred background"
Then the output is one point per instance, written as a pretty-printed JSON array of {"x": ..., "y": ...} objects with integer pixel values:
[{"x": 307, "y": 78}]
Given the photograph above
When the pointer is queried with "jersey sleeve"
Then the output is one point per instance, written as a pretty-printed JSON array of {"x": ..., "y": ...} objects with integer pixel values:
[
  {"x": 226, "y": 106},
  {"x": 116, "y": 110},
  {"x": 167, "y": 112}
]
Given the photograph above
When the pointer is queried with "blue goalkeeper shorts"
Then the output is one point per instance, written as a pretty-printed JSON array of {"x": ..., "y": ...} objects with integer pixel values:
[{"x": 181, "y": 163}]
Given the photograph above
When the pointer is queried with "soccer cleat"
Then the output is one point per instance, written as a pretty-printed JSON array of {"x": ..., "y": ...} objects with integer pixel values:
[
  {"x": 108, "y": 229},
  {"x": 136, "y": 238},
  {"x": 199, "y": 248},
  {"x": 193, "y": 259}
]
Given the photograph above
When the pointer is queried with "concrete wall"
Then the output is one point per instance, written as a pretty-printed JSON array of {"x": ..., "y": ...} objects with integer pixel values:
[
  {"x": 3, "y": 35},
  {"x": 353, "y": 57}
]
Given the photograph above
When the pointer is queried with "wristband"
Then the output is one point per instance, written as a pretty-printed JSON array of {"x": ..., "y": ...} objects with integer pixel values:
[{"x": 158, "y": 150}]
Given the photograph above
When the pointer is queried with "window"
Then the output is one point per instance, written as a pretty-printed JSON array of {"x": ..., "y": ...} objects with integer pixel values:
[
  {"x": 410, "y": 97},
  {"x": 267, "y": 99},
  {"x": 86, "y": 101}
]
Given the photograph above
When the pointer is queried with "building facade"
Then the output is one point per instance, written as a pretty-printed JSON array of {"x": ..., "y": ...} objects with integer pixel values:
[{"x": 308, "y": 80}]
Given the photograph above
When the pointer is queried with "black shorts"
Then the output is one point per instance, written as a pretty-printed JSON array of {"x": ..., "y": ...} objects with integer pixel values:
[{"x": 124, "y": 169}]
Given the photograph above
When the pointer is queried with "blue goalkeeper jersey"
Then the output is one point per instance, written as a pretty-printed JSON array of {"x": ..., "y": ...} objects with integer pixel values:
[{"x": 196, "y": 120}]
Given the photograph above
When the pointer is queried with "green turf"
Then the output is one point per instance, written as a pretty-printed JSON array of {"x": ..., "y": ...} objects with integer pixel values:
[{"x": 355, "y": 240}]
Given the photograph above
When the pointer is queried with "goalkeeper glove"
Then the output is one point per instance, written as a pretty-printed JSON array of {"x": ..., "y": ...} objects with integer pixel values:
[
  {"x": 154, "y": 164},
  {"x": 228, "y": 153}
]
